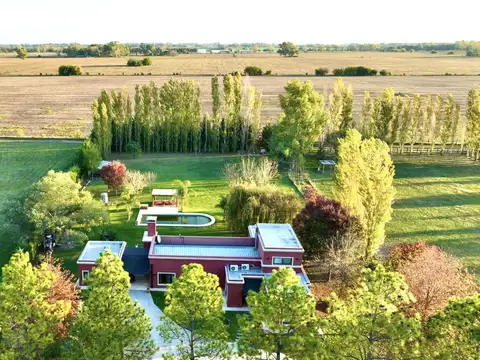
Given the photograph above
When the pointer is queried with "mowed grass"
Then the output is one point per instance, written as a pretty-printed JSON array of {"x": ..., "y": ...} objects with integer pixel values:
[
  {"x": 61, "y": 106},
  {"x": 437, "y": 200},
  {"x": 420, "y": 63},
  {"x": 208, "y": 184},
  {"x": 21, "y": 164}
]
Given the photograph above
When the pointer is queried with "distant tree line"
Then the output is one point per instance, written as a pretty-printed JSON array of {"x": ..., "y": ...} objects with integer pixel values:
[{"x": 169, "y": 118}]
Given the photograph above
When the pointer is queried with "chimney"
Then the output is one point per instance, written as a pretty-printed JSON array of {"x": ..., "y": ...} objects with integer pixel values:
[{"x": 152, "y": 225}]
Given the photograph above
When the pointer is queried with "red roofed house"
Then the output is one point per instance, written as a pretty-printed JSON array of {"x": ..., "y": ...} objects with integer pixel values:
[{"x": 240, "y": 262}]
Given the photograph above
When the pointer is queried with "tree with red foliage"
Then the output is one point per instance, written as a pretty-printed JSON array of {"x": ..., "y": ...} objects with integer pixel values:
[
  {"x": 63, "y": 289},
  {"x": 432, "y": 275},
  {"x": 321, "y": 221},
  {"x": 114, "y": 175}
]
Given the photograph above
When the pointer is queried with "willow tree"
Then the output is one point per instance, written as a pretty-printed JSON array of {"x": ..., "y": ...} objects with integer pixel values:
[
  {"x": 364, "y": 183},
  {"x": 301, "y": 122},
  {"x": 473, "y": 122},
  {"x": 251, "y": 204}
]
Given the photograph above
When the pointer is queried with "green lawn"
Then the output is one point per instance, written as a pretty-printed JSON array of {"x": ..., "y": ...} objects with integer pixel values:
[
  {"x": 231, "y": 317},
  {"x": 208, "y": 183},
  {"x": 21, "y": 164},
  {"x": 437, "y": 200}
]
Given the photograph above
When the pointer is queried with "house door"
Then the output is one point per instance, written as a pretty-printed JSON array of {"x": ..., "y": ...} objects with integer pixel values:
[{"x": 250, "y": 284}]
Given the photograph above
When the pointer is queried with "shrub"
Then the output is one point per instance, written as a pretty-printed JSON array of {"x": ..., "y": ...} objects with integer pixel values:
[
  {"x": 321, "y": 222},
  {"x": 251, "y": 171},
  {"x": 253, "y": 71},
  {"x": 266, "y": 137},
  {"x": 384, "y": 72},
  {"x": 268, "y": 72},
  {"x": 69, "y": 70},
  {"x": 434, "y": 52},
  {"x": 321, "y": 71},
  {"x": 451, "y": 52},
  {"x": 147, "y": 61},
  {"x": 355, "y": 71},
  {"x": 133, "y": 62},
  {"x": 133, "y": 148}
]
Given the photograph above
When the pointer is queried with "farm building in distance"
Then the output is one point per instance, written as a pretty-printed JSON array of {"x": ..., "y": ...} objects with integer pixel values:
[{"x": 240, "y": 262}]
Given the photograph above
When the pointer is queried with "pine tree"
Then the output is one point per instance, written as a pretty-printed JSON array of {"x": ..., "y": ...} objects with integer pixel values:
[
  {"x": 109, "y": 325},
  {"x": 282, "y": 320},
  {"x": 368, "y": 322},
  {"x": 364, "y": 183},
  {"x": 194, "y": 315}
]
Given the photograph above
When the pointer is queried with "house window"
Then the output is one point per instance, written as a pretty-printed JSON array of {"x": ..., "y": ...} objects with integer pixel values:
[
  {"x": 85, "y": 274},
  {"x": 165, "y": 278},
  {"x": 282, "y": 261}
]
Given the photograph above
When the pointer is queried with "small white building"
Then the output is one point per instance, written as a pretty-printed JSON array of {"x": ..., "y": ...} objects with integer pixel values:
[{"x": 202, "y": 51}]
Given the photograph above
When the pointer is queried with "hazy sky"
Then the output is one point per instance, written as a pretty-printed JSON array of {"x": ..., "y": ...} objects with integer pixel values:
[{"x": 230, "y": 21}]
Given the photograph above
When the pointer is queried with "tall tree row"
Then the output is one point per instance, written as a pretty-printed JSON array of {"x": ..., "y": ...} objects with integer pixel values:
[{"x": 169, "y": 118}]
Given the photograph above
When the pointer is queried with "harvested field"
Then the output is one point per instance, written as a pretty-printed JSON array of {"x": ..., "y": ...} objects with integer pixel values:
[
  {"x": 421, "y": 63},
  {"x": 60, "y": 106}
]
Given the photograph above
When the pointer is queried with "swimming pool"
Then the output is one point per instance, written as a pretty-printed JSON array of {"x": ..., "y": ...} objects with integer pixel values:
[{"x": 177, "y": 219}]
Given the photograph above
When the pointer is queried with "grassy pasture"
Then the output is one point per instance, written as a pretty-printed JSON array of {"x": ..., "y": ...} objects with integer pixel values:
[
  {"x": 420, "y": 63},
  {"x": 437, "y": 200},
  {"x": 21, "y": 164},
  {"x": 61, "y": 106}
]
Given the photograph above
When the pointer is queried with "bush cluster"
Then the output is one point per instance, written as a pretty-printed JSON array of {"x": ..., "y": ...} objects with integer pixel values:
[
  {"x": 321, "y": 71},
  {"x": 355, "y": 71},
  {"x": 253, "y": 71},
  {"x": 384, "y": 72},
  {"x": 69, "y": 70},
  {"x": 145, "y": 62}
]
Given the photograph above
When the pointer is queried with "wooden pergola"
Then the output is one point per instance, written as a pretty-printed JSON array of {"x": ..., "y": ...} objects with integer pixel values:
[{"x": 165, "y": 197}]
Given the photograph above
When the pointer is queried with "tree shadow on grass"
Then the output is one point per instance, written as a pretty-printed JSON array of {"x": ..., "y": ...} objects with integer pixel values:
[
  {"x": 438, "y": 201},
  {"x": 441, "y": 235},
  {"x": 451, "y": 169}
]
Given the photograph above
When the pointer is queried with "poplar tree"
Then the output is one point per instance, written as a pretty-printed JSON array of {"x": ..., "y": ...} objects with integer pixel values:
[
  {"x": 366, "y": 127},
  {"x": 282, "y": 320},
  {"x": 415, "y": 121},
  {"x": 335, "y": 107},
  {"x": 347, "y": 108},
  {"x": 456, "y": 122},
  {"x": 109, "y": 325},
  {"x": 436, "y": 121},
  {"x": 194, "y": 315},
  {"x": 406, "y": 123},
  {"x": 215, "y": 97},
  {"x": 364, "y": 183},
  {"x": 29, "y": 316},
  {"x": 447, "y": 126},
  {"x": 425, "y": 129},
  {"x": 385, "y": 114},
  {"x": 396, "y": 121},
  {"x": 473, "y": 122}
]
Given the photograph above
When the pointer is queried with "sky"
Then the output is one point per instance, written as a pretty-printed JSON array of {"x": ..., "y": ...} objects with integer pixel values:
[{"x": 233, "y": 21}]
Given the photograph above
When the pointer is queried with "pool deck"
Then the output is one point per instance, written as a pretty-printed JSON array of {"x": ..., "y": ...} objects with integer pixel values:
[{"x": 156, "y": 210}]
